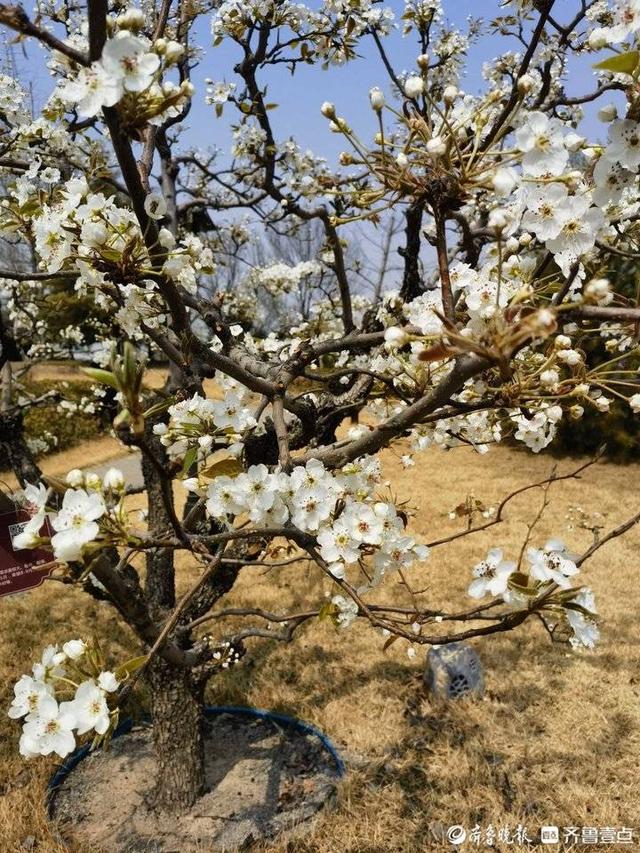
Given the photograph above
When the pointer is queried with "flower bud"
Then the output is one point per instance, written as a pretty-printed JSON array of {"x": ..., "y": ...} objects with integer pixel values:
[
  {"x": 526, "y": 83},
  {"x": 75, "y": 478},
  {"x": 570, "y": 357},
  {"x": 549, "y": 378},
  {"x": 205, "y": 442},
  {"x": 562, "y": 342},
  {"x": 395, "y": 337},
  {"x": 504, "y": 181},
  {"x": 131, "y": 19},
  {"x": 376, "y": 96},
  {"x": 74, "y": 649},
  {"x": 423, "y": 61},
  {"x": 597, "y": 289},
  {"x": 402, "y": 160},
  {"x": 608, "y": 113},
  {"x": 597, "y": 39},
  {"x": 450, "y": 94},
  {"x": 113, "y": 480},
  {"x": 173, "y": 51},
  {"x": 497, "y": 220},
  {"x": 93, "y": 482},
  {"x": 413, "y": 86},
  {"x": 436, "y": 146},
  {"x": 166, "y": 239},
  {"x": 328, "y": 109},
  {"x": 576, "y": 412},
  {"x": 573, "y": 142}
]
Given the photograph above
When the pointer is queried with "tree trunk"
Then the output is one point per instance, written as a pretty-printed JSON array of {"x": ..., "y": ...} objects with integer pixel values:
[{"x": 177, "y": 714}]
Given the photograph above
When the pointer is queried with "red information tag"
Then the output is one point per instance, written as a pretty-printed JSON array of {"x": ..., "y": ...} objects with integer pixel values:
[{"x": 25, "y": 568}]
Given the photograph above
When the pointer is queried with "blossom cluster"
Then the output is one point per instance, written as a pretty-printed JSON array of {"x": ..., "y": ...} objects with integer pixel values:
[
  {"x": 89, "y": 233},
  {"x": 341, "y": 509},
  {"x": 51, "y": 725},
  {"x": 549, "y": 568},
  {"x": 130, "y": 65},
  {"x": 343, "y": 20},
  {"x": 76, "y": 522},
  {"x": 199, "y": 422}
]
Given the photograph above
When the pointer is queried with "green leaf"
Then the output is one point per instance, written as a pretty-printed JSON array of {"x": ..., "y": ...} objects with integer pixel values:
[
  {"x": 621, "y": 63},
  {"x": 128, "y": 667},
  {"x": 520, "y": 582},
  {"x": 229, "y": 467},
  {"x": 162, "y": 406},
  {"x": 189, "y": 458},
  {"x": 105, "y": 377}
]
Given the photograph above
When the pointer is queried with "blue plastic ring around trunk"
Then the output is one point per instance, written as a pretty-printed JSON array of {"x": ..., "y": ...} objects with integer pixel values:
[{"x": 70, "y": 763}]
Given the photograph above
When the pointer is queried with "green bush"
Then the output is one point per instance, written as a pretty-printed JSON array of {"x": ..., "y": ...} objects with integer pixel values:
[
  {"x": 618, "y": 431},
  {"x": 50, "y": 424}
]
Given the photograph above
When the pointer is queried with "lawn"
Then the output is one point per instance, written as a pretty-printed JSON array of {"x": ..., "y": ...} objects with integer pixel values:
[{"x": 556, "y": 739}]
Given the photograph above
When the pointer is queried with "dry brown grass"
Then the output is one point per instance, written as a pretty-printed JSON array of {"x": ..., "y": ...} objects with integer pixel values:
[{"x": 555, "y": 740}]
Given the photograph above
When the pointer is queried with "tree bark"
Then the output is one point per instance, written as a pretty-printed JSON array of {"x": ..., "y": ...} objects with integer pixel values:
[
  {"x": 18, "y": 456},
  {"x": 176, "y": 699},
  {"x": 412, "y": 280},
  {"x": 177, "y": 714}
]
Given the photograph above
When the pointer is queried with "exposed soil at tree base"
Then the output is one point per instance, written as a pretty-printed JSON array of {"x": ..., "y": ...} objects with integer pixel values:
[{"x": 261, "y": 780}]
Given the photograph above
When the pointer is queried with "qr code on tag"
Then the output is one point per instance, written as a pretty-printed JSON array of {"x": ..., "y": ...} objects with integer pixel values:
[{"x": 14, "y": 530}]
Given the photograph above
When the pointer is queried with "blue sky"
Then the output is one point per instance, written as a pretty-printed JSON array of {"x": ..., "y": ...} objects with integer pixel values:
[{"x": 300, "y": 96}]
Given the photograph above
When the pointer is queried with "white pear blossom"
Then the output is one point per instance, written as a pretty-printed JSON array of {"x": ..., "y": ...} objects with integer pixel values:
[
  {"x": 624, "y": 144},
  {"x": 89, "y": 709},
  {"x": 127, "y": 59},
  {"x": 548, "y": 207},
  {"x": 552, "y": 563},
  {"x": 491, "y": 575},
  {"x": 347, "y": 610},
  {"x": 155, "y": 205},
  {"x": 541, "y": 140},
  {"x": 75, "y": 524},
  {"x": 337, "y": 544},
  {"x": 92, "y": 89},
  {"x": 51, "y": 730},
  {"x": 28, "y": 696}
]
